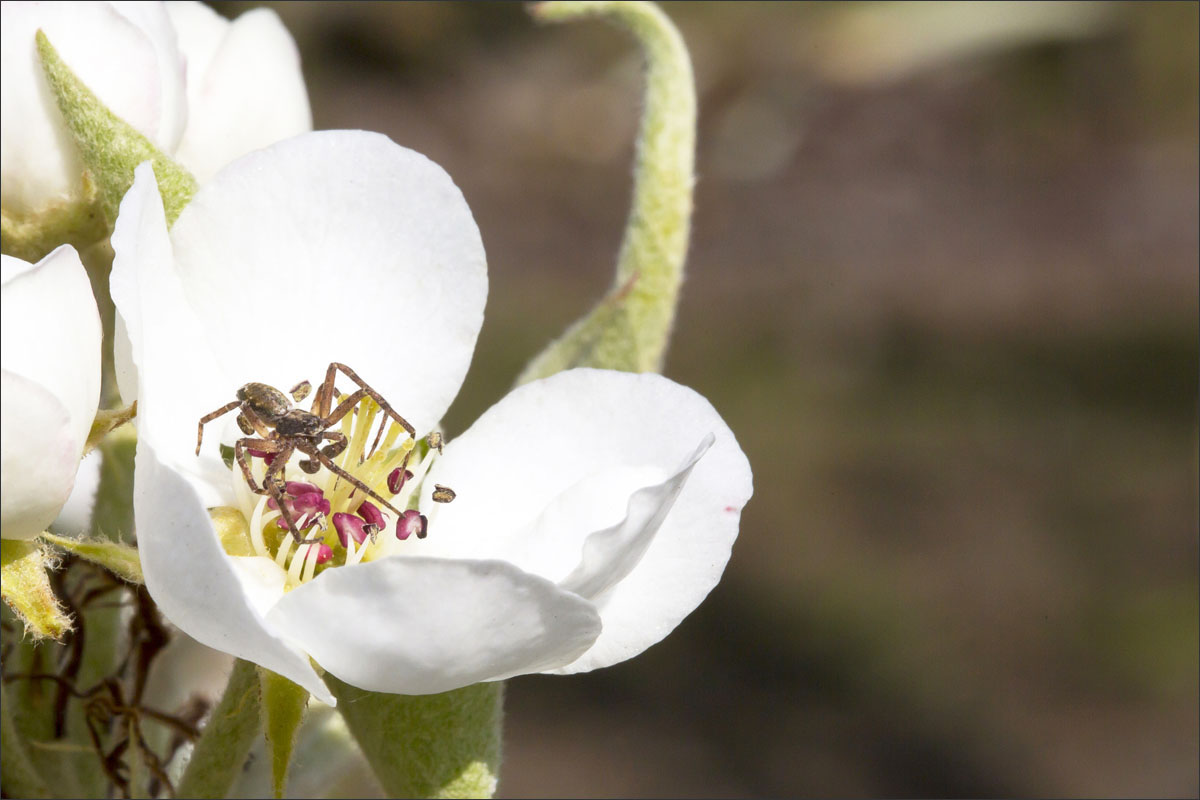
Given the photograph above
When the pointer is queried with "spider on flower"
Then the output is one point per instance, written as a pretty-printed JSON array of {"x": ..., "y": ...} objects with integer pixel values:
[{"x": 274, "y": 428}]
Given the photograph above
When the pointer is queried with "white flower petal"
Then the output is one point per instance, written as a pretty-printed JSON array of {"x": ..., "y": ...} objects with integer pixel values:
[
  {"x": 39, "y": 457},
  {"x": 541, "y": 445},
  {"x": 39, "y": 165},
  {"x": 51, "y": 333},
  {"x": 366, "y": 247},
  {"x": 50, "y": 351},
  {"x": 152, "y": 19},
  {"x": 178, "y": 376},
  {"x": 611, "y": 554},
  {"x": 245, "y": 89},
  {"x": 75, "y": 518},
  {"x": 420, "y": 625},
  {"x": 194, "y": 582}
]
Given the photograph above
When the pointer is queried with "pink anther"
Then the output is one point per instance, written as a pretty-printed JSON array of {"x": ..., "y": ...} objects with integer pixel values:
[
  {"x": 410, "y": 522},
  {"x": 311, "y": 503},
  {"x": 396, "y": 479},
  {"x": 371, "y": 513},
  {"x": 349, "y": 527}
]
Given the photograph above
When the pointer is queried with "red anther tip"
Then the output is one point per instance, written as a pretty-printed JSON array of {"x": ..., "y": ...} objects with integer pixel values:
[
  {"x": 349, "y": 527},
  {"x": 410, "y": 522},
  {"x": 396, "y": 479},
  {"x": 324, "y": 553},
  {"x": 297, "y": 488},
  {"x": 371, "y": 513},
  {"x": 309, "y": 503}
]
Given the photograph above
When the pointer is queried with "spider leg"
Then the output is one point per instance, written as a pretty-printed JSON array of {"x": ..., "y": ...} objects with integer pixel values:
[
  {"x": 225, "y": 409},
  {"x": 332, "y": 466},
  {"x": 274, "y": 488},
  {"x": 344, "y": 408},
  {"x": 326, "y": 400},
  {"x": 352, "y": 400},
  {"x": 256, "y": 422},
  {"x": 339, "y": 443},
  {"x": 323, "y": 400},
  {"x": 262, "y": 445}
]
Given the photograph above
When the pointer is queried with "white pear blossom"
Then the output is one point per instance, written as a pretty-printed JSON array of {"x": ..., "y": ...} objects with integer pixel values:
[
  {"x": 50, "y": 359},
  {"x": 594, "y": 509},
  {"x": 199, "y": 87}
]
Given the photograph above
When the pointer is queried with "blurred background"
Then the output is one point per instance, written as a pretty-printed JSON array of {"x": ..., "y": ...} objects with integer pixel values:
[{"x": 943, "y": 287}]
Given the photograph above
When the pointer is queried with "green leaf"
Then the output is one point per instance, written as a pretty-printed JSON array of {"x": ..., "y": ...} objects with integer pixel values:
[
  {"x": 438, "y": 745},
  {"x": 283, "y": 704},
  {"x": 26, "y": 588},
  {"x": 630, "y": 328},
  {"x": 119, "y": 559},
  {"x": 221, "y": 750},
  {"x": 110, "y": 147}
]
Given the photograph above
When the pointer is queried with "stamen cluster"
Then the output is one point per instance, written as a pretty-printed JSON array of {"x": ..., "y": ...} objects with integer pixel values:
[{"x": 325, "y": 498}]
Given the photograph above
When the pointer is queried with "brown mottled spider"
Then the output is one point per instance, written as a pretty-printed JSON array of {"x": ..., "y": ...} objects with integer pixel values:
[{"x": 281, "y": 429}]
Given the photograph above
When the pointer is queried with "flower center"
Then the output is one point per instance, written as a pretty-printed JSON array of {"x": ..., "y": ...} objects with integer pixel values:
[{"x": 340, "y": 522}]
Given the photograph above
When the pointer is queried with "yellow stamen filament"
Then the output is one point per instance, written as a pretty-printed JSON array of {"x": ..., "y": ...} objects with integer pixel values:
[
  {"x": 352, "y": 457},
  {"x": 310, "y": 562},
  {"x": 256, "y": 528},
  {"x": 281, "y": 554},
  {"x": 297, "y": 565}
]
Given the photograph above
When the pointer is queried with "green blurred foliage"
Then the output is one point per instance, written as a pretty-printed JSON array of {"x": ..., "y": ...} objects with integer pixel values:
[{"x": 946, "y": 296}]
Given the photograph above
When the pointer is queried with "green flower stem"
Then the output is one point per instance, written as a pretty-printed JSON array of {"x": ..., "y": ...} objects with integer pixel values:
[
  {"x": 221, "y": 750},
  {"x": 21, "y": 778},
  {"x": 119, "y": 559},
  {"x": 79, "y": 224},
  {"x": 106, "y": 422},
  {"x": 630, "y": 328},
  {"x": 112, "y": 515},
  {"x": 438, "y": 745}
]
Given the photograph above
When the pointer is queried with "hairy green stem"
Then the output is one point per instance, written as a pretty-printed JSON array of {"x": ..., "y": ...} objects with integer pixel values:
[
  {"x": 21, "y": 778},
  {"x": 630, "y": 328},
  {"x": 438, "y": 745},
  {"x": 231, "y": 730}
]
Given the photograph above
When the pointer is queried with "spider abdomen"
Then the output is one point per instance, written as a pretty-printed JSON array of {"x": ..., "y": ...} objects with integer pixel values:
[{"x": 267, "y": 402}]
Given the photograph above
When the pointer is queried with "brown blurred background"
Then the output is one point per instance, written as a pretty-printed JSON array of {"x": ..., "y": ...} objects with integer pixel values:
[{"x": 943, "y": 287}]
